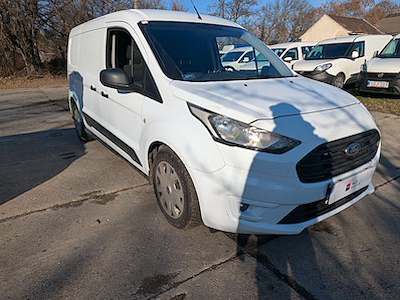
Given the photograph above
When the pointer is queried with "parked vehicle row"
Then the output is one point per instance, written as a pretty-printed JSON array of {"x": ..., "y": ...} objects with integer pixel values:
[
  {"x": 249, "y": 151},
  {"x": 337, "y": 61}
]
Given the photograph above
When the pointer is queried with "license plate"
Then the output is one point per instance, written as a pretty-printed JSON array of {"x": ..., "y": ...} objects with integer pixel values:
[
  {"x": 378, "y": 84},
  {"x": 345, "y": 187}
]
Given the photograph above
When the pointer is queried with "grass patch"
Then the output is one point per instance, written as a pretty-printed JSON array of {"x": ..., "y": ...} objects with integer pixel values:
[
  {"x": 377, "y": 102},
  {"x": 385, "y": 105},
  {"x": 17, "y": 82}
]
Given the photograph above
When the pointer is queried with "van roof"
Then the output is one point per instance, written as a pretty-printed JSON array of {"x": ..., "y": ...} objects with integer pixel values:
[
  {"x": 134, "y": 16},
  {"x": 292, "y": 44},
  {"x": 352, "y": 38}
]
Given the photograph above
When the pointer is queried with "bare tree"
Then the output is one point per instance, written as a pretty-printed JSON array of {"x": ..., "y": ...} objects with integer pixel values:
[
  {"x": 284, "y": 20},
  {"x": 151, "y": 4},
  {"x": 369, "y": 9},
  {"x": 381, "y": 10},
  {"x": 19, "y": 24},
  {"x": 177, "y": 5},
  {"x": 234, "y": 10}
]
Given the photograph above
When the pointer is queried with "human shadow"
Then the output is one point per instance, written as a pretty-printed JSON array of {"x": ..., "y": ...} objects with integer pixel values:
[
  {"x": 278, "y": 189},
  {"x": 33, "y": 158}
]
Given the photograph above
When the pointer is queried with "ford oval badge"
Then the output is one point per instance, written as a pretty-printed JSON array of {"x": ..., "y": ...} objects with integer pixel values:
[{"x": 352, "y": 149}]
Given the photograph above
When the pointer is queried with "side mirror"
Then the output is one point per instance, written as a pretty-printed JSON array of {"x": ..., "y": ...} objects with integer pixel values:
[
  {"x": 355, "y": 54},
  {"x": 375, "y": 53},
  {"x": 288, "y": 59},
  {"x": 246, "y": 59},
  {"x": 115, "y": 78}
]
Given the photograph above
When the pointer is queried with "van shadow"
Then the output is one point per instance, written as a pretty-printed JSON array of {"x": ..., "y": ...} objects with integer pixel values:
[
  {"x": 253, "y": 244},
  {"x": 33, "y": 158}
]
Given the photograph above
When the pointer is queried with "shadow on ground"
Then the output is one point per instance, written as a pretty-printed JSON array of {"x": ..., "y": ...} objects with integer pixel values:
[{"x": 31, "y": 159}]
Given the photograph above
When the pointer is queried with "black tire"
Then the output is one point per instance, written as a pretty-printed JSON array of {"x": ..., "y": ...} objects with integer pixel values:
[
  {"x": 338, "y": 81},
  {"x": 79, "y": 125},
  {"x": 174, "y": 190}
]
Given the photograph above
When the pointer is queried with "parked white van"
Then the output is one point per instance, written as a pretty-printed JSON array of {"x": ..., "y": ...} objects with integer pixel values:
[
  {"x": 292, "y": 52},
  {"x": 234, "y": 59},
  {"x": 381, "y": 74},
  {"x": 337, "y": 61},
  {"x": 263, "y": 151}
]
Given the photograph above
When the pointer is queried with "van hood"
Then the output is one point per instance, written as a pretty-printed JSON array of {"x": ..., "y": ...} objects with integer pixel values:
[
  {"x": 250, "y": 100},
  {"x": 310, "y": 65},
  {"x": 383, "y": 65}
]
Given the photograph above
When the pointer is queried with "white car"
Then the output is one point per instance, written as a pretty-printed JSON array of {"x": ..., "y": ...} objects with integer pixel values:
[
  {"x": 263, "y": 151},
  {"x": 337, "y": 61},
  {"x": 234, "y": 59},
  {"x": 292, "y": 52},
  {"x": 381, "y": 74}
]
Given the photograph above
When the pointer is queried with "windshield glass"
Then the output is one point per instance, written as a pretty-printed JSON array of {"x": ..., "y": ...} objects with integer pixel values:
[
  {"x": 391, "y": 50},
  {"x": 278, "y": 51},
  {"x": 232, "y": 56},
  {"x": 191, "y": 52},
  {"x": 329, "y": 51}
]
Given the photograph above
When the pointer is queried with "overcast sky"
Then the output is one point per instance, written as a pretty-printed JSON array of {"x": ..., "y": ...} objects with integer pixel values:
[{"x": 202, "y": 4}]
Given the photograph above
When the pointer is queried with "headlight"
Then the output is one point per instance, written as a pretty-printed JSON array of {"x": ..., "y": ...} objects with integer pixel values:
[
  {"x": 363, "y": 67},
  {"x": 232, "y": 132},
  {"x": 323, "y": 67}
]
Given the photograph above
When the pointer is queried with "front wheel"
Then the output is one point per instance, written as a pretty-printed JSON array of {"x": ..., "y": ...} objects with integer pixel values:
[
  {"x": 174, "y": 190},
  {"x": 338, "y": 81}
]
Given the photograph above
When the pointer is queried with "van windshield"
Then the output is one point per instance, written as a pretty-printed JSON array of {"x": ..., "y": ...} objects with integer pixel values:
[
  {"x": 191, "y": 52},
  {"x": 329, "y": 51},
  {"x": 392, "y": 50}
]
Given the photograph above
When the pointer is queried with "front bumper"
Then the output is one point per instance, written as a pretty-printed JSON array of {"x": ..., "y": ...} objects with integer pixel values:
[
  {"x": 392, "y": 78},
  {"x": 320, "y": 76},
  {"x": 247, "y": 200}
]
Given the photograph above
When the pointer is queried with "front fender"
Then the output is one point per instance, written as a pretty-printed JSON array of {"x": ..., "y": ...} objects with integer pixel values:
[{"x": 191, "y": 142}]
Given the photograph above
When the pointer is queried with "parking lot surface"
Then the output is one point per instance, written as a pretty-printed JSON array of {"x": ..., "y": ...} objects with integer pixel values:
[{"x": 78, "y": 222}]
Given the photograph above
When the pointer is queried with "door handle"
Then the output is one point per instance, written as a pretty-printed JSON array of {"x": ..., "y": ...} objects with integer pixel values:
[
  {"x": 104, "y": 94},
  {"x": 92, "y": 87}
]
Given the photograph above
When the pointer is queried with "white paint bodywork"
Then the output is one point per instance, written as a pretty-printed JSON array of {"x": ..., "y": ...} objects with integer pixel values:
[{"x": 224, "y": 176}]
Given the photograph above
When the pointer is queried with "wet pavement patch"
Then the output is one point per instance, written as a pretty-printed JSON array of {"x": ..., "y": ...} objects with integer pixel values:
[{"x": 155, "y": 284}]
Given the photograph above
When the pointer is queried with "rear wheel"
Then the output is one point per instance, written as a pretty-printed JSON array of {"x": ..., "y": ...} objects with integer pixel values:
[
  {"x": 174, "y": 190},
  {"x": 79, "y": 125},
  {"x": 338, "y": 81}
]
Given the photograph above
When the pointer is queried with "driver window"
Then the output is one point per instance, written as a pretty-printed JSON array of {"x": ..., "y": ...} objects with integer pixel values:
[
  {"x": 123, "y": 53},
  {"x": 293, "y": 53}
]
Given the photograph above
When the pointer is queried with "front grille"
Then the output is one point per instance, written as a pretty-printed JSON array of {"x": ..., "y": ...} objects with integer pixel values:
[
  {"x": 312, "y": 210},
  {"x": 330, "y": 159},
  {"x": 382, "y": 76}
]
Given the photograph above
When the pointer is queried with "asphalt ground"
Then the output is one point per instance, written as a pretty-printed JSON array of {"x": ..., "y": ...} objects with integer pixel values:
[{"x": 78, "y": 222}]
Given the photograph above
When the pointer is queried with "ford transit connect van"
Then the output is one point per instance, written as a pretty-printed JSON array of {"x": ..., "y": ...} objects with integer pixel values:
[
  {"x": 258, "y": 151},
  {"x": 337, "y": 61},
  {"x": 381, "y": 74}
]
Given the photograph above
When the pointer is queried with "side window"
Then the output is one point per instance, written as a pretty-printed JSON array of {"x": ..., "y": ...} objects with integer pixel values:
[
  {"x": 293, "y": 53},
  {"x": 249, "y": 56},
  {"x": 306, "y": 50},
  {"x": 359, "y": 47},
  {"x": 123, "y": 53}
]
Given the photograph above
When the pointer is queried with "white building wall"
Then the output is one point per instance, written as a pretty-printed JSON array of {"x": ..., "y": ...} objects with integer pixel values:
[{"x": 324, "y": 28}]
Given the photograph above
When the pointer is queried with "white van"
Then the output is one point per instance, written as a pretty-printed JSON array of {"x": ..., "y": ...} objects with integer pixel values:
[
  {"x": 262, "y": 151},
  {"x": 337, "y": 61},
  {"x": 234, "y": 59},
  {"x": 381, "y": 74},
  {"x": 292, "y": 52}
]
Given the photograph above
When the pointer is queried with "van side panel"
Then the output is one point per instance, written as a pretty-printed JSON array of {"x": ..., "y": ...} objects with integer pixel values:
[{"x": 91, "y": 62}]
